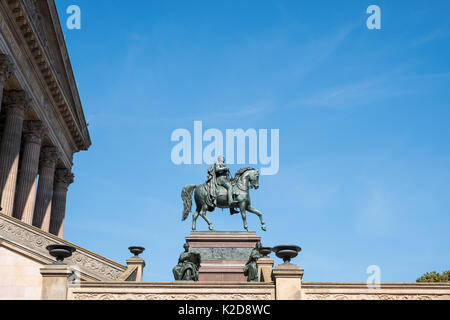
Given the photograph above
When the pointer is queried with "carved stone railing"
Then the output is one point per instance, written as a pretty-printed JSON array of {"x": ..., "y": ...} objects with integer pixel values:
[
  {"x": 32, "y": 240},
  {"x": 386, "y": 291},
  {"x": 172, "y": 291},
  {"x": 253, "y": 291}
]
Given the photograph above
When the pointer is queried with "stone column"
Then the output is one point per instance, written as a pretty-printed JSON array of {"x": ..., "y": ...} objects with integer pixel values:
[
  {"x": 15, "y": 104},
  {"x": 26, "y": 185},
  {"x": 6, "y": 71},
  {"x": 44, "y": 195},
  {"x": 63, "y": 178}
]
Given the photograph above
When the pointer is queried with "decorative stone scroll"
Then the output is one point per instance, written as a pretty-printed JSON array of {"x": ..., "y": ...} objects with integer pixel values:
[
  {"x": 16, "y": 102},
  {"x": 64, "y": 178}
]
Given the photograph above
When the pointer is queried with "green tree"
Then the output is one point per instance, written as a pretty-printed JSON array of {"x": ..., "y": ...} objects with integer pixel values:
[{"x": 435, "y": 277}]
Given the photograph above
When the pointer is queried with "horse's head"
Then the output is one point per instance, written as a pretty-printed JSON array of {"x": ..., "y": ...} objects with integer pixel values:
[
  {"x": 253, "y": 178},
  {"x": 247, "y": 177}
]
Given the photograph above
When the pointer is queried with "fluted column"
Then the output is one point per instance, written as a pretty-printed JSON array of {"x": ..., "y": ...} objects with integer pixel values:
[
  {"x": 26, "y": 185},
  {"x": 63, "y": 178},
  {"x": 6, "y": 71},
  {"x": 15, "y": 104},
  {"x": 44, "y": 195}
]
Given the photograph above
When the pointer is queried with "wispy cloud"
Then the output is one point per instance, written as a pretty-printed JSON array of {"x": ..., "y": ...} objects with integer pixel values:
[
  {"x": 352, "y": 94},
  {"x": 376, "y": 214},
  {"x": 430, "y": 37},
  {"x": 440, "y": 75},
  {"x": 319, "y": 50},
  {"x": 248, "y": 110},
  {"x": 113, "y": 119}
]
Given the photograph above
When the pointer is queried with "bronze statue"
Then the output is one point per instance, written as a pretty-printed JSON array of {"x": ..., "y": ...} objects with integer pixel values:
[
  {"x": 220, "y": 191},
  {"x": 188, "y": 265},
  {"x": 251, "y": 269},
  {"x": 219, "y": 175}
]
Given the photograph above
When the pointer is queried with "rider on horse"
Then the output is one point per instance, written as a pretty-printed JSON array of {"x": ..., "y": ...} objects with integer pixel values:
[{"x": 218, "y": 175}]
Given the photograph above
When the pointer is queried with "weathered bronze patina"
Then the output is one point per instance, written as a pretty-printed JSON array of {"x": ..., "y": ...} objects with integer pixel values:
[
  {"x": 223, "y": 192},
  {"x": 251, "y": 269},
  {"x": 188, "y": 265}
]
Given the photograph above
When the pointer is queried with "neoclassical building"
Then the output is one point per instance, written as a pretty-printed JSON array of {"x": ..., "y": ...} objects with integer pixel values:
[
  {"x": 41, "y": 127},
  {"x": 42, "y": 124}
]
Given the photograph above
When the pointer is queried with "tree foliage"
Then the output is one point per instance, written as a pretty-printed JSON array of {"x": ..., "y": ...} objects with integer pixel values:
[{"x": 435, "y": 277}]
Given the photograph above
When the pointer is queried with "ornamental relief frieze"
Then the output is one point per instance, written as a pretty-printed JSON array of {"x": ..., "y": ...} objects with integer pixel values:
[
  {"x": 36, "y": 242},
  {"x": 183, "y": 296},
  {"x": 363, "y": 296}
]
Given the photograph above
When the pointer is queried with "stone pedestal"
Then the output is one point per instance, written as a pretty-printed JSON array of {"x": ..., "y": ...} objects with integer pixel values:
[
  {"x": 135, "y": 270},
  {"x": 288, "y": 281},
  {"x": 54, "y": 281},
  {"x": 265, "y": 265},
  {"x": 223, "y": 253}
]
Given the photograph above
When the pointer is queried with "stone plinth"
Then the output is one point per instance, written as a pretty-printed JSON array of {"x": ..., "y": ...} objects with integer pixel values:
[
  {"x": 288, "y": 281},
  {"x": 54, "y": 282},
  {"x": 265, "y": 265},
  {"x": 224, "y": 253}
]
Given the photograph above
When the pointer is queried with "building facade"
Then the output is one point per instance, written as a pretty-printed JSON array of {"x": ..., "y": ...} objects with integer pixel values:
[{"x": 42, "y": 124}]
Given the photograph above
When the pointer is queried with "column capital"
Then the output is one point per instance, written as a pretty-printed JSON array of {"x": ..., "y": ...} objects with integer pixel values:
[
  {"x": 63, "y": 178},
  {"x": 6, "y": 67},
  {"x": 16, "y": 102},
  {"x": 49, "y": 157},
  {"x": 33, "y": 131}
]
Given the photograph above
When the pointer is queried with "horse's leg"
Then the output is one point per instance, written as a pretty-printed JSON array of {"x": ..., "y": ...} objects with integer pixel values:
[
  {"x": 194, "y": 220},
  {"x": 253, "y": 210},
  {"x": 203, "y": 215},
  {"x": 244, "y": 216}
]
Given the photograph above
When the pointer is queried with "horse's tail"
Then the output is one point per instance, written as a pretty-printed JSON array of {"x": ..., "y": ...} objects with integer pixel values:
[{"x": 186, "y": 195}]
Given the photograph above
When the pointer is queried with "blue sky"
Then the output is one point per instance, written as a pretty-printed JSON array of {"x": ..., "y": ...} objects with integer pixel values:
[{"x": 363, "y": 116}]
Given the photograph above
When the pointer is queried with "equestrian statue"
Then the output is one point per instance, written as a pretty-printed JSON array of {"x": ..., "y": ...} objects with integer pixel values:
[{"x": 223, "y": 192}]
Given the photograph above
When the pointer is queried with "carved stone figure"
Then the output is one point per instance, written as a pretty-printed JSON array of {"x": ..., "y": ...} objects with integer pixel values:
[
  {"x": 188, "y": 265},
  {"x": 251, "y": 269},
  {"x": 220, "y": 191}
]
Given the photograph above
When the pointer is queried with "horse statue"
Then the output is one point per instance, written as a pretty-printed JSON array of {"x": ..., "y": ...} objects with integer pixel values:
[{"x": 243, "y": 181}]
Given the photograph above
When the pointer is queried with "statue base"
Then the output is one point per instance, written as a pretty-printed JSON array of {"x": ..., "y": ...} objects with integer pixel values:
[{"x": 223, "y": 253}]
